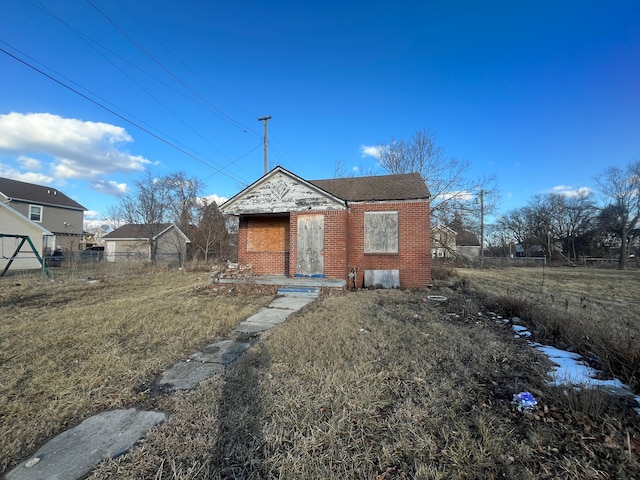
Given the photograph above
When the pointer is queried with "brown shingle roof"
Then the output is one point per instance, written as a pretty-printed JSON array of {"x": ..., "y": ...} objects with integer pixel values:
[
  {"x": 407, "y": 186},
  {"x": 141, "y": 231},
  {"x": 29, "y": 192}
]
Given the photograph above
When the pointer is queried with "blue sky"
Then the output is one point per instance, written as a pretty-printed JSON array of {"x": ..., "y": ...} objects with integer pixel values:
[{"x": 543, "y": 95}]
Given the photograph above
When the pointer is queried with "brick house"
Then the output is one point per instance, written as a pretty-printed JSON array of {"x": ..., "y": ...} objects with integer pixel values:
[{"x": 365, "y": 231}]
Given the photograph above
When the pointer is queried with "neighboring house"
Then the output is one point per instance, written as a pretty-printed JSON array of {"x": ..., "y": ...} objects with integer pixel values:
[
  {"x": 47, "y": 207},
  {"x": 161, "y": 242},
  {"x": 365, "y": 231},
  {"x": 443, "y": 242},
  {"x": 467, "y": 244},
  {"x": 13, "y": 222}
]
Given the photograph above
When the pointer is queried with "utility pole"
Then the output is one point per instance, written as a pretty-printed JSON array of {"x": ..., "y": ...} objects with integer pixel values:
[
  {"x": 481, "y": 228},
  {"x": 265, "y": 121}
]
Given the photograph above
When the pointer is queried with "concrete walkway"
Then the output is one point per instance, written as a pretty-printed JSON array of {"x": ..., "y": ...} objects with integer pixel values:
[{"x": 74, "y": 453}]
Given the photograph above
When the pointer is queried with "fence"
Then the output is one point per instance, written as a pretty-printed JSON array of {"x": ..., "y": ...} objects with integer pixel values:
[
  {"x": 88, "y": 263},
  {"x": 514, "y": 261}
]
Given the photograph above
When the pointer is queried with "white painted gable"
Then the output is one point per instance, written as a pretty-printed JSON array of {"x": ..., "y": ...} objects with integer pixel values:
[{"x": 280, "y": 191}]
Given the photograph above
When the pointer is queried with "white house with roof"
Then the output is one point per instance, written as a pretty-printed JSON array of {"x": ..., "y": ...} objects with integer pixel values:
[
  {"x": 47, "y": 207},
  {"x": 14, "y": 227},
  {"x": 162, "y": 242}
]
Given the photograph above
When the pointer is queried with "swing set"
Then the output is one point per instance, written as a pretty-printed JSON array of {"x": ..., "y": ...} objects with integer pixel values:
[{"x": 23, "y": 239}]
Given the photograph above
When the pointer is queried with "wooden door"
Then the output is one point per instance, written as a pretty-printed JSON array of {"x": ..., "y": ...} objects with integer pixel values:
[{"x": 310, "y": 246}]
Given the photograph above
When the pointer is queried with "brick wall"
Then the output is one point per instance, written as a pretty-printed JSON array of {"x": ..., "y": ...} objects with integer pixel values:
[
  {"x": 414, "y": 255},
  {"x": 275, "y": 263},
  {"x": 346, "y": 227}
]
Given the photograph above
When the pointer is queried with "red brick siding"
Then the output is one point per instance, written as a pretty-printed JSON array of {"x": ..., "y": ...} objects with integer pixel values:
[
  {"x": 263, "y": 262},
  {"x": 344, "y": 245},
  {"x": 413, "y": 258}
]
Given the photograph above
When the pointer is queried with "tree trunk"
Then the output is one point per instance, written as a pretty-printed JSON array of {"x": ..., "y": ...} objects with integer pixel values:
[{"x": 622, "y": 262}]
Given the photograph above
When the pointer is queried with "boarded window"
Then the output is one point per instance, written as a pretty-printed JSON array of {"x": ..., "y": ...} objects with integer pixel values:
[
  {"x": 269, "y": 234},
  {"x": 381, "y": 232}
]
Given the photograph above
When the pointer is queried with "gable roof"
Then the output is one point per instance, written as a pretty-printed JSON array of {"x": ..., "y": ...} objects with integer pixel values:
[
  {"x": 24, "y": 219},
  {"x": 136, "y": 231},
  {"x": 268, "y": 195},
  {"x": 406, "y": 186},
  {"x": 29, "y": 192},
  {"x": 277, "y": 192},
  {"x": 444, "y": 228}
]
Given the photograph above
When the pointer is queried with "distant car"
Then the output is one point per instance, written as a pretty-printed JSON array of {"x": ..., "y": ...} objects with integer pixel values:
[{"x": 55, "y": 259}]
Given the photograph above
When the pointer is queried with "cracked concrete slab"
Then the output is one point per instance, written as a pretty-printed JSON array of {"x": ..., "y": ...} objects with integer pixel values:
[
  {"x": 251, "y": 327},
  {"x": 224, "y": 352},
  {"x": 263, "y": 320},
  {"x": 272, "y": 316},
  {"x": 277, "y": 312},
  {"x": 188, "y": 375},
  {"x": 74, "y": 453},
  {"x": 291, "y": 303}
]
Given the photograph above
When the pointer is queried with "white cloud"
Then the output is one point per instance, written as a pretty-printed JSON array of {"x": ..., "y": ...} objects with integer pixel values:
[
  {"x": 29, "y": 177},
  {"x": 91, "y": 215},
  {"x": 109, "y": 187},
  {"x": 462, "y": 195},
  {"x": 371, "y": 151},
  {"x": 215, "y": 198},
  {"x": 79, "y": 149},
  {"x": 571, "y": 191},
  {"x": 29, "y": 163}
]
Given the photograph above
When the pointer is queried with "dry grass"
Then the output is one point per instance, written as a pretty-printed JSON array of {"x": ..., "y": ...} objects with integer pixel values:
[
  {"x": 385, "y": 385},
  {"x": 370, "y": 384},
  {"x": 72, "y": 348},
  {"x": 594, "y": 311}
]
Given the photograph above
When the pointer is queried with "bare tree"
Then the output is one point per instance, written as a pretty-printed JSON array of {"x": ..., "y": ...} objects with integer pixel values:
[
  {"x": 515, "y": 226},
  {"x": 622, "y": 190},
  {"x": 154, "y": 201},
  {"x": 550, "y": 221},
  {"x": 147, "y": 203},
  {"x": 446, "y": 176},
  {"x": 184, "y": 199},
  {"x": 212, "y": 237},
  {"x": 499, "y": 242},
  {"x": 571, "y": 218}
]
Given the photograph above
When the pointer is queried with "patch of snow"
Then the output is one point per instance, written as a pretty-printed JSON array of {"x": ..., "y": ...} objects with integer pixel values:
[
  {"x": 521, "y": 331},
  {"x": 571, "y": 369}
]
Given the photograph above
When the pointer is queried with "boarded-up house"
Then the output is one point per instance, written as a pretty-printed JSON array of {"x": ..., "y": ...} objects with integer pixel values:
[
  {"x": 161, "y": 242},
  {"x": 365, "y": 231},
  {"x": 14, "y": 226}
]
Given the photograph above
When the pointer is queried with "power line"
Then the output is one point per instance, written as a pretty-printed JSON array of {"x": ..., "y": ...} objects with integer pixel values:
[
  {"x": 101, "y": 98},
  {"x": 193, "y": 72},
  {"x": 88, "y": 40},
  {"x": 169, "y": 72},
  {"x": 122, "y": 117}
]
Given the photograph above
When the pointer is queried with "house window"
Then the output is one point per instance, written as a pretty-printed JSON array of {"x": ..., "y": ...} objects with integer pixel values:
[
  {"x": 381, "y": 232},
  {"x": 35, "y": 213}
]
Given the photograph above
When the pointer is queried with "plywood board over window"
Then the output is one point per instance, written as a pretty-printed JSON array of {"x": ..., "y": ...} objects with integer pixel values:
[
  {"x": 381, "y": 232},
  {"x": 268, "y": 234}
]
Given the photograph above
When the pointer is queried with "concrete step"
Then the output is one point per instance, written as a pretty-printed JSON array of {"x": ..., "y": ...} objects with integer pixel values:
[{"x": 311, "y": 292}]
